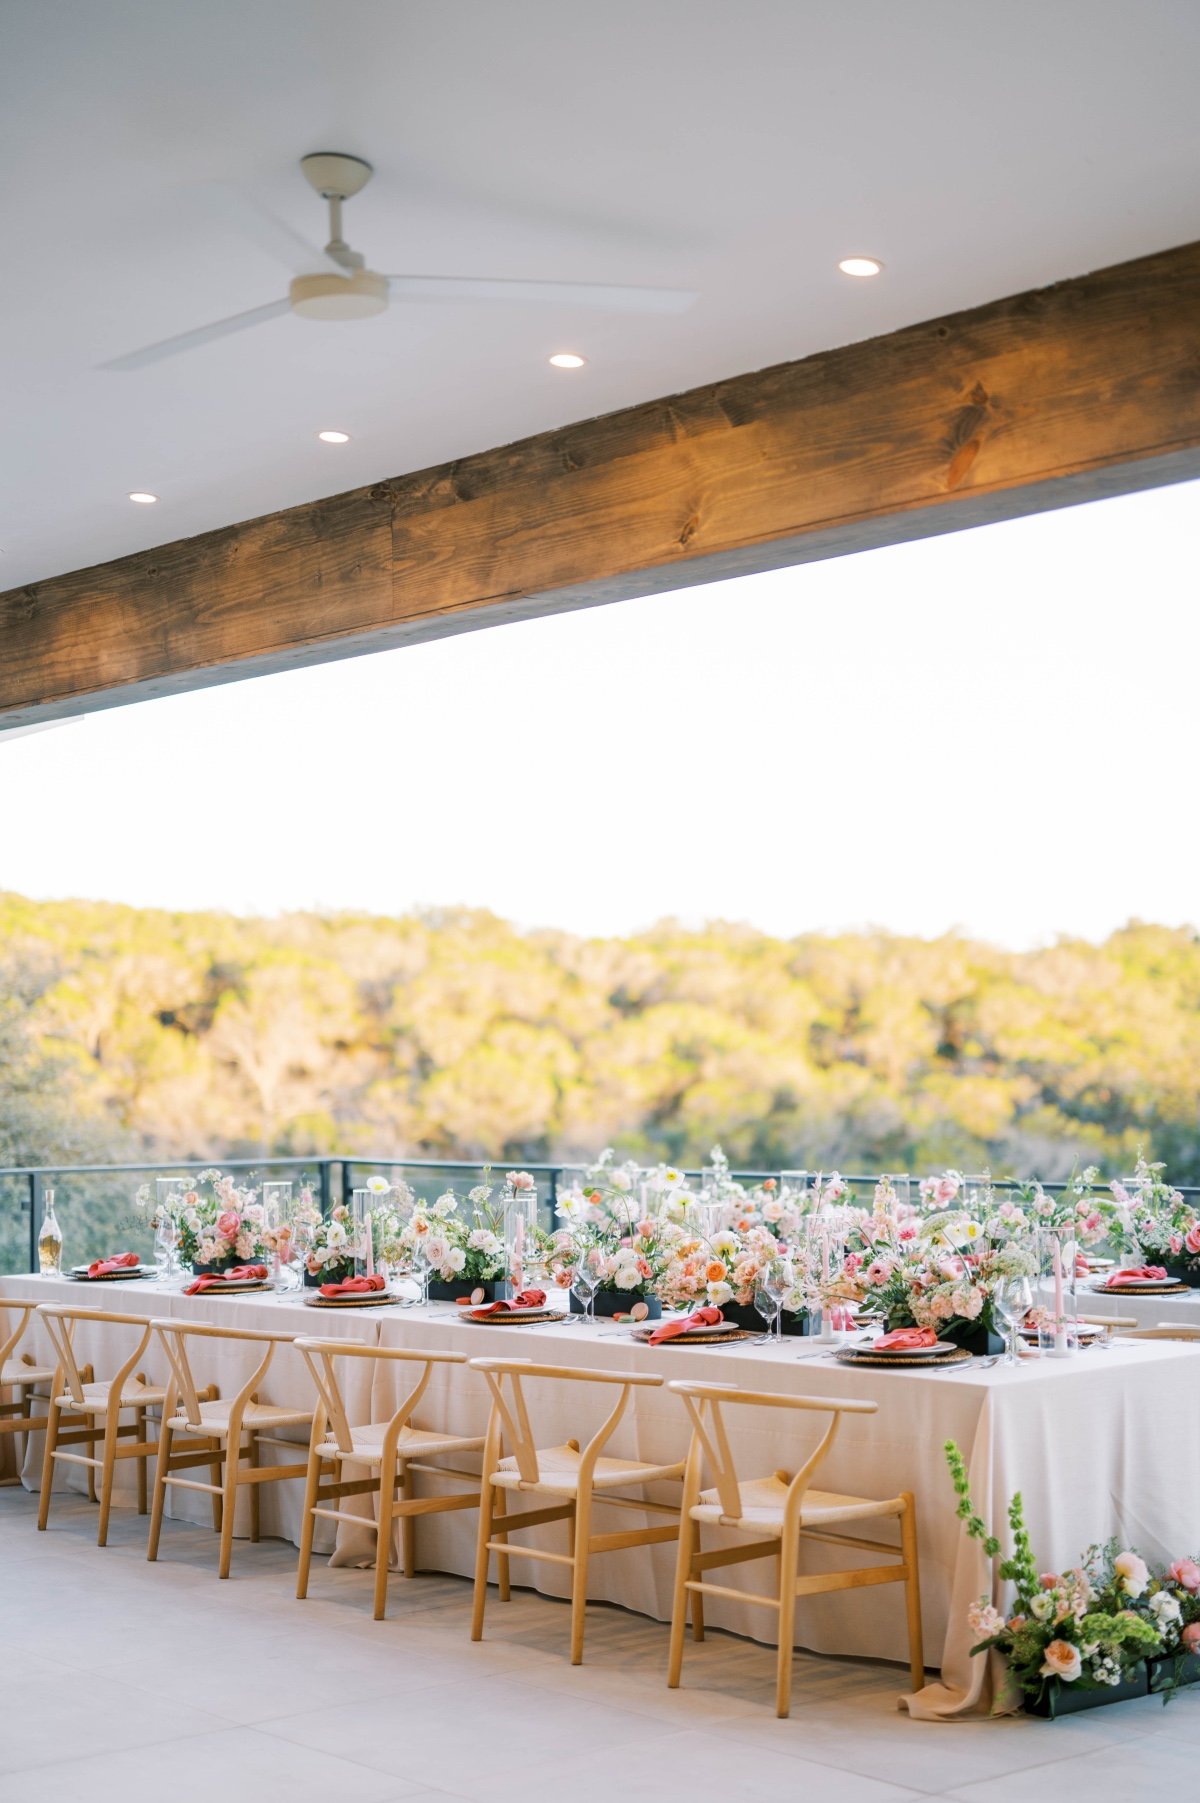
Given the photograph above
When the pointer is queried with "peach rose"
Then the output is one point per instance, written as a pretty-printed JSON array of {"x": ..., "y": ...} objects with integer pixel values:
[
  {"x": 1062, "y": 1660},
  {"x": 715, "y": 1272},
  {"x": 1191, "y": 1637},
  {"x": 229, "y": 1223},
  {"x": 1186, "y": 1574}
]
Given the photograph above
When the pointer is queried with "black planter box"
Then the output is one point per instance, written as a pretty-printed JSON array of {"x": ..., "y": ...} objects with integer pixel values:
[
  {"x": 619, "y": 1302},
  {"x": 464, "y": 1288},
  {"x": 978, "y": 1340},
  {"x": 1183, "y": 1271},
  {"x": 1068, "y": 1699},
  {"x": 1168, "y": 1671},
  {"x": 219, "y": 1266},
  {"x": 329, "y": 1274}
]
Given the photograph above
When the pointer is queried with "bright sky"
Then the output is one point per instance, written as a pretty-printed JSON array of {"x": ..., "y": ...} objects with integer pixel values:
[{"x": 994, "y": 730}]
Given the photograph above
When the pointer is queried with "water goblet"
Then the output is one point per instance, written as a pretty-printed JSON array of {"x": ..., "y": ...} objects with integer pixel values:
[
  {"x": 584, "y": 1282},
  {"x": 1012, "y": 1299}
]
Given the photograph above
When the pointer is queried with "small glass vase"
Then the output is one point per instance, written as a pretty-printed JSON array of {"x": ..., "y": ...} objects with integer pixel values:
[
  {"x": 519, "y": 1231},
  {"x": 278, "y": 1232},
  {"x": 362, "y": 1204},
  {"x": 1056, "y": 1303}
]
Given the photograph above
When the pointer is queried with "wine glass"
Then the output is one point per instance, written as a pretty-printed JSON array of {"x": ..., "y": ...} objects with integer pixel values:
[
  {"x": 164, "y": 1245},
  {"x": 772, "y": 1283},
  {"x": 585, "y": 1280},
  {"x": 1012, "y": 1299}
]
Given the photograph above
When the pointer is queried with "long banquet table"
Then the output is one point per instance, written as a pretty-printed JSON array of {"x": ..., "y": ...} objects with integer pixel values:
[{"x": 1097, "y": 1444}]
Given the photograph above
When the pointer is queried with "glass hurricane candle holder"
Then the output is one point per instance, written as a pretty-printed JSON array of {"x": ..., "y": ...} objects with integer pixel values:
[
  {"x": 519, "y": 1218},
  {"x": 1056, "y": 1305},
  {"x": 279, "y": 1234},
  {"x": 363, "y": 1228}
]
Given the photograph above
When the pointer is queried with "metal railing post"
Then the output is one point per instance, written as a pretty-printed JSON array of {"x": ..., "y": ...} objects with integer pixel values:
[
  {"x": 326, "y": 1199},
  {"x": 35, "y": 1196},
  {"x": 553, "y": 1198}
]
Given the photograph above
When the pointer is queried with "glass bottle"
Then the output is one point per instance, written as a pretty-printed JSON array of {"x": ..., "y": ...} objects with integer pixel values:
[{"x": 50, "y": 1239}]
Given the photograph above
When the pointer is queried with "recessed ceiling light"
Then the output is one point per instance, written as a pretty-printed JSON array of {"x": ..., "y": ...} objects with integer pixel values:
[
  {"x": 146, "y": 500},
  {"x": 860, "y": 265},
  {"x": 334, "y": 437},
  {"x": 567, "y": 360}
]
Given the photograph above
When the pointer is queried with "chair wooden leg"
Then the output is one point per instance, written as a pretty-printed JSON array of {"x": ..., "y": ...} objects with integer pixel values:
[
  {"x": 139, "y": 1419},
  {"x": 697, "y": 1599},
  {"x": 408, "y": 1525},
  {"x": 308, "y": 1523},
  {"x": 679, "y": 1601},
  {"x": 912, "y": 1591},
  {"x": 383, "y": 1533},
  {"x": 214, "y": 1477},
  {"x": 52, "y": 1424},
  {"x": 158, "y": 1495},
  {"x": 108, "y": 1471},
  {"x": 579, "y": 1573},
  {"x": 789, "y": 1560},
  {"x": 91, "y": 1469},
  {"x": 229, "y": 1502},
  {"x": 255, "y": 1493},
  {"x": 486, "y": 1506},
  {"x": 503, "y": 1562}
]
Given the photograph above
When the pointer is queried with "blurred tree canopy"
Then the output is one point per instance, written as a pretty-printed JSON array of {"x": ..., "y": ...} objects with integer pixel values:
[{"x": 450, "y": 1034}]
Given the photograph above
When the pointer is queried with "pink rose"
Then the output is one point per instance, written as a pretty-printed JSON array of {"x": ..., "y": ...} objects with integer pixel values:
[
  {"x": 1191, "y": 1637},
  {"x": 853, "y": 1262},
  {"x": 228, "y": 1224},
  {"x": 645, "y": 1228},
  {"x": 1186, "y": 1573},
  {"x": 1062, "y": 1660},
  {"x": 946, "y": 1190},
  {"x": 1191, "y": 1238},
  {"x": 1175, "y": 1244}
]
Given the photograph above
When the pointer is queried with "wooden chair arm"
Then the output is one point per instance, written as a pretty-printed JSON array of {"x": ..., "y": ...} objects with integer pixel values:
[
  {"x": 768, "y": 1399},
  {"x": 209, "y": 1330},
  {"x": 355, "y": 1349},
  {"x": 526, "y": 1368}
]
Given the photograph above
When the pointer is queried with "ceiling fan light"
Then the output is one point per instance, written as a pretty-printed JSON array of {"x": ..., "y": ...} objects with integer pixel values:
[{"x": 357, "y": 296}]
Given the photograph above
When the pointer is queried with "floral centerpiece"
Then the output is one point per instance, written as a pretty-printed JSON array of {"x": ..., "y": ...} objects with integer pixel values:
[
  {"x": 328, "y": 1246},
  {"x": 1089, "y": 1629},
  {"x": 941, "y": 1274},
  {"x": 627, "y": 1250},
  {"x": 219, "y": 1223},
  {"x": 462, "y": 1246},
  {"x": 1157, "y": 1224}
]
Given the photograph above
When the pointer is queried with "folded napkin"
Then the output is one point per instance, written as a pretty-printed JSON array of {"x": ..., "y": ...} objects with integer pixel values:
[
  {"x": 239, "y": 1274},
  {"x": 354, "y": 1286},
  {"x": 1083, "y": 1267},
  {"x": 669, "y": 1330},
  {"x": 1143, "y": 1274},
  {"x": 525, "y": 1299},
  {"x": 905, "y": 1339},
  {"x": 120, "y": 1261}
]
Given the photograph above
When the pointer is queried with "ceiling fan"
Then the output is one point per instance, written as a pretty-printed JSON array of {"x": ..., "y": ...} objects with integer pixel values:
[{"x": 336, "y": 284}]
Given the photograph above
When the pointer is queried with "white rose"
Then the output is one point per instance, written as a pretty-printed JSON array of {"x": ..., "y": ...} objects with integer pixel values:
[
  {"x": 719, "y": 1293},
  {"x": 456, "y": 1258}
]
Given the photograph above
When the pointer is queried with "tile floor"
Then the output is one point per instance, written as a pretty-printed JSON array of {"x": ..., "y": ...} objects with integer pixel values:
[{"x": 235, "y": 1691}]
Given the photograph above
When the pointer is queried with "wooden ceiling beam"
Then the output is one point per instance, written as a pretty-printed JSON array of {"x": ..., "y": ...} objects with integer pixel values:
[{"x": 1066, "y": 394}]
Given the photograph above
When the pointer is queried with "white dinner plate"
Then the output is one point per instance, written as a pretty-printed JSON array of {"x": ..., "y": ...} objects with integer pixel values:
[{"x": 1140, "y": 1283}]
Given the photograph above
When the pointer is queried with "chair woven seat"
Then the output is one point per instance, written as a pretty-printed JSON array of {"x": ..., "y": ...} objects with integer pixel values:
[
  {"x": 763, "y": 1500},
  {"x": 558, "y": 1472}
]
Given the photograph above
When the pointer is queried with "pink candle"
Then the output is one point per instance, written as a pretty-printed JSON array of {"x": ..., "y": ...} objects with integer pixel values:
[
  {"x": 1058, "y": 1283},
  {"x": 370, "y": 1246},
  {"x": 518, "y": 1254}
]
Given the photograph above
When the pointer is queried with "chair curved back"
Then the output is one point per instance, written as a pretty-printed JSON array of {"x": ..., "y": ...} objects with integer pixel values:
[
  {"x": 14, "y": 1319},
  {"x": 175, "y": 1334},
  {"x": 710, "y": 1440},
  {"x": 1164, "y": 1330},
  {"x": 506, "y": 1379},
  {"x": 321, "y": 1357},
  {"x": 60, "y": 1322}
]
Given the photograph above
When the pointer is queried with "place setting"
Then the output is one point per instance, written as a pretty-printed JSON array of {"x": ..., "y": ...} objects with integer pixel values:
[{"x": 122, "y": 1267}]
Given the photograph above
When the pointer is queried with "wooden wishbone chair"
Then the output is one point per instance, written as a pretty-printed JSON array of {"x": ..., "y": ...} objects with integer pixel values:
[
  {"x": 209, "y": 1432},
  {"x": 781, "y": 1512},
  {"x": 395, "y": 1448},
  {"x": 90, "y": 1412},
  {"x": 579, "y": 1478},
  {"x": 1165, "y": 1330},
  {"x": 21, "y": 1374}
]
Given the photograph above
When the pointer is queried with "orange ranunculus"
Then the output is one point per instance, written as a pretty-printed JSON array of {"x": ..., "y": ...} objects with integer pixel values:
[{"x": 715, "y": 1272}]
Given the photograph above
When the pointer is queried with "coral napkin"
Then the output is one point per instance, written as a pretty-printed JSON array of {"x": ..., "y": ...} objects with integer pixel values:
[
  {"x": 905, "y": 1339},
  {"x": 239, "y": 1274},
  {"x": 703, "y": 1317},
  {"x": 525, "y": 1299},
  {"x": 354, "y": 1286},
  {"x": 121, "y": 1261},
  {"x": 1143, "y": 1274}
]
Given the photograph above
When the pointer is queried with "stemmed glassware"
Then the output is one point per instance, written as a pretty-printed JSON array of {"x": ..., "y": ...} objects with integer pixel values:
[
  {"x": 1012, "y": 1299},
  {"x": 278, "y": 1224},
  {"x": 585, "y": 1280},
  {"x": 772, "y": 1282},
  {"x": 168, "y": 1198},
  {"x": 164, "y": 1244}
]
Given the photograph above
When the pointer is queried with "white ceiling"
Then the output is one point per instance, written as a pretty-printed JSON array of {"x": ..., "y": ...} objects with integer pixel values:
[{"x": 736, "y": 148}]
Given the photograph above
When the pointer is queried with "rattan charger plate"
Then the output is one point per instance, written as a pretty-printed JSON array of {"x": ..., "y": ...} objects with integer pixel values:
[
  {"x": 503, "y": 1318},
  {"x": 852, "y": 1355},
  {"x": 1143, "y": 1289},
  {"x": 698, "y": 1337},
  {"x": 360, "y": 1299}
]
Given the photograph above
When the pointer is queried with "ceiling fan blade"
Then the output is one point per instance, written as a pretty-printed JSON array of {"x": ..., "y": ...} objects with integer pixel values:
[
  {"x": 187, "y": 341},
  {"x": 606, "y": 296},
  {"x": 249, "y": 217}
]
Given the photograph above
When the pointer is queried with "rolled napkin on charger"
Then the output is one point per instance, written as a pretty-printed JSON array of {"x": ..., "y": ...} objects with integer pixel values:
[
  {"x": 505, "y": 1306},
  {"x": 120, "y": 1261},
  {"x": 354, "y": 1286},
  {"x": 1140, "y": 1274},
  {"x": 709, "y": 1316},
  {"x": 239, "y": 1274},
  {"x": 905, "y": 1339}
]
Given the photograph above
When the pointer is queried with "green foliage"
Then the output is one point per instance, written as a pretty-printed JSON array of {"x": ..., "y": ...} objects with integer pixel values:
[{"x": 450, "y": 1034}]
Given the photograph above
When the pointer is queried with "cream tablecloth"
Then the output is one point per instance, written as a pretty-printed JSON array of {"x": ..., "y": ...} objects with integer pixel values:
[{"x": 1103, "y": 1443}]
